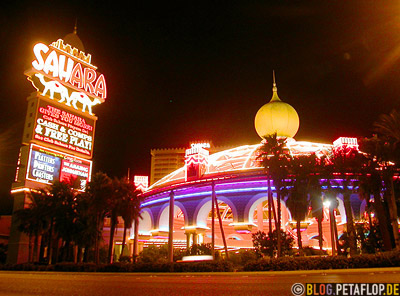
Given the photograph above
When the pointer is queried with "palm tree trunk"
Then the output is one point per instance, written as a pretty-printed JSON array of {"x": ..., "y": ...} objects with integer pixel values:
[
  {"x": 79, "y": 255},
  {"x": 30, "y": 248},
  {"x": 335, "y": 232},
  {"x": 222, "y": 229},
  {"x": 43, "y": 239},
  {"x": 350, "y": 223},
  {"x": 278, "y": 212},
  {"x": 136, "y": 240},
  {"x": 382, "y": 222},
  {"x": 50, "y": 244},
  {"x": 299, "y": 242},
  {"x": 123, "y": 243},
  {"x": 57, "y": 250},
  {"x": 393, "y": 214},
  {"x": 113, "y": 223},
  {"x": 270, "y": 201},
  {"x": 35, "y": 247},
  {"x": 320, "y": 241}
]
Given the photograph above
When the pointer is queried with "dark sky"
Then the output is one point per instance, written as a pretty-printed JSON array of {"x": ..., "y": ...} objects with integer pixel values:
[{"x": 196, "y": 70}]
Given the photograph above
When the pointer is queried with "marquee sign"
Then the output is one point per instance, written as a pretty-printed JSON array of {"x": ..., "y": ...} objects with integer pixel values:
[
  {"x": 47, "y": 166},
  {"x": 66, "y": 74},
  {"x": 63, "y": 129},
  {"x": 345, "y": 141},
  {"x": 141, "y": 182},
  {"x": 196, "y": 162}
]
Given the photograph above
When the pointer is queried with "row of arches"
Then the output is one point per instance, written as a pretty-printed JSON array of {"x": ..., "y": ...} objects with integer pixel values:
[{"x": 240, "y": 218}]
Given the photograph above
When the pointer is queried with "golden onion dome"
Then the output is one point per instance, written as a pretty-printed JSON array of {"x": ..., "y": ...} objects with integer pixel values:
[{"x": 276, "y": 117}]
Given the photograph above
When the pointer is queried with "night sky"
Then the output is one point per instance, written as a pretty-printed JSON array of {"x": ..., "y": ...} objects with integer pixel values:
[{"x": 196, "y": 70}]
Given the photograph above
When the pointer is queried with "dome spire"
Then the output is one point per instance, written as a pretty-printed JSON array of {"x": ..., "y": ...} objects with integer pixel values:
[
  {"x": 73, "y": 38},
  {"x": 275, "y": 97},
  {"x": 276, "y": 117},
  {"x": 76, "y": 26}
]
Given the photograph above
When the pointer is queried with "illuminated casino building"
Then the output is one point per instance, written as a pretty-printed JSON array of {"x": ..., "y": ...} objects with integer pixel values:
[
  {"x": 241, "y": 189},
  {"x": 58, "y": 137}
]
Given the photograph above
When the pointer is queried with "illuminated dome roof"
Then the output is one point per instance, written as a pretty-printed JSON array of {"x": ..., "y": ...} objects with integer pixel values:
[
  {"x": 238, "y": 160},
  {"x": 276, "y": 117},
  {"x": 73, "y": 40}
]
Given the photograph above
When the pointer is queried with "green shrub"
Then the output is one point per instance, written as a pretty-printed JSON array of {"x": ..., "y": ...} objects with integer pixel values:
[{"x": 388, "y": 259}]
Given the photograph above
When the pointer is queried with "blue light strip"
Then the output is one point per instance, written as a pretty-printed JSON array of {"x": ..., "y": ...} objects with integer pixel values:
[{"x": 208, "y": 193}]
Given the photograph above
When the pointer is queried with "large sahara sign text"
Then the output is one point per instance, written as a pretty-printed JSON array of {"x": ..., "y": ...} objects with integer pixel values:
[
  {"x": 47, "y": 166},
  {"x": 63, "y": 129},
  {"x": 66, "y": 74}
]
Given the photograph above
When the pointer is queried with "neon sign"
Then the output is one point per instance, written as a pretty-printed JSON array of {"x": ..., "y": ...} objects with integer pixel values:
[
  {"x": 63, "y": 129},
  {"x": 201, "y": 145},
  {"x": 47, "y": 166},
  {"x": 60, "y": 70},
  {"x": 196, "y": 162},
  {"x": 344, "y": 141},
  {"x": 141, "y": 182}
]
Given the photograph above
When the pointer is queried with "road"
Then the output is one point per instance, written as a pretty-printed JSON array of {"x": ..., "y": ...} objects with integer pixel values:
[{"x": 233, "y": 283}]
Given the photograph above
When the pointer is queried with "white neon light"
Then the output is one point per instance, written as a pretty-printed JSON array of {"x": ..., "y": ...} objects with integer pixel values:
[
  {"x": 243, "y": 158},
  {"x": 200, "y": 145},
  {"x": 67, "y": 69}
]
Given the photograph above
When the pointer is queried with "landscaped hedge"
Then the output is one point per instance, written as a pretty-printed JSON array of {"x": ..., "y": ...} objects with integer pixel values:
[{"x": 389, "y": 259}]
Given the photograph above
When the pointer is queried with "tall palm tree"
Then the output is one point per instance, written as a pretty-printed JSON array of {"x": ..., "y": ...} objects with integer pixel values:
[
  {"x": 388, "y": 129},
  {"x": 130, "y": 207},
  {"x": 315, "y": 191},
  {"x": 348, "y": 162},
  {"x": 86, "y": 227},
  {"x": 301, "y": 168},
  {"x": 65, "y": 215},
  {"x": 379, "y": 154},
  {"x": 274, "y": 157},
  {"x": 34, "y": 220},
  {"x": 99, "y": 192},
  {"x": 120, "y": 190}
]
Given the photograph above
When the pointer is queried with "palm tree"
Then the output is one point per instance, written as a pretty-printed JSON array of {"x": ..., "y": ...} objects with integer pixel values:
[
  {"x": 34, "y": 220},
  {"x": 315, "y": 192},
  {"x": 130, "y": 207},
  {"x": 298, "y": 201},
  {"x": 65, "y": 215},
  {"x": 372, "y": 184},
  {"x": 275, "y": 159},
  {"x": 388, "y": 130},
  {"x": 348, "y": 162},
  {"x": 86, "y": 228},
  {"x": 99, "y": 193},
  {"x": 119, "y": 192}
]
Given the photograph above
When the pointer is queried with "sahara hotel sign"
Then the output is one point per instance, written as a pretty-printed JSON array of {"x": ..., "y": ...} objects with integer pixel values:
[
  {"x": 66, "y": 74},
  {"x": 60, "y": 125}
]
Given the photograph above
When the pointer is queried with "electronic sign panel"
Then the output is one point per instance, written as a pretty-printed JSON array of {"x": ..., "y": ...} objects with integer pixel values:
[
  {"x": 63, "y": 129},
  {"x": 47, "y": 166}
]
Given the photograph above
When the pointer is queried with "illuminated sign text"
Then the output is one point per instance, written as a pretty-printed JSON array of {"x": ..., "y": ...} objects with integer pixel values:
[
  {"x": 64, "y": 129},
  {"x": 47, "y": 166}
]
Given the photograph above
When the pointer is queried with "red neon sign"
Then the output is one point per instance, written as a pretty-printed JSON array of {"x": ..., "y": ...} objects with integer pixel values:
[{"x": 63, "y": 129}]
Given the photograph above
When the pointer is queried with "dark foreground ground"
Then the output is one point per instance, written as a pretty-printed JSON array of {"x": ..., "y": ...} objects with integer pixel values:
[{"x": 238, "y": 283}]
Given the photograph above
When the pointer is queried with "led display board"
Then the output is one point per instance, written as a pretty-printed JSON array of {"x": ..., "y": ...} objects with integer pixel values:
[
  {"x": 47, "y": 166},
  {"x": 63, "y": 129}
]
